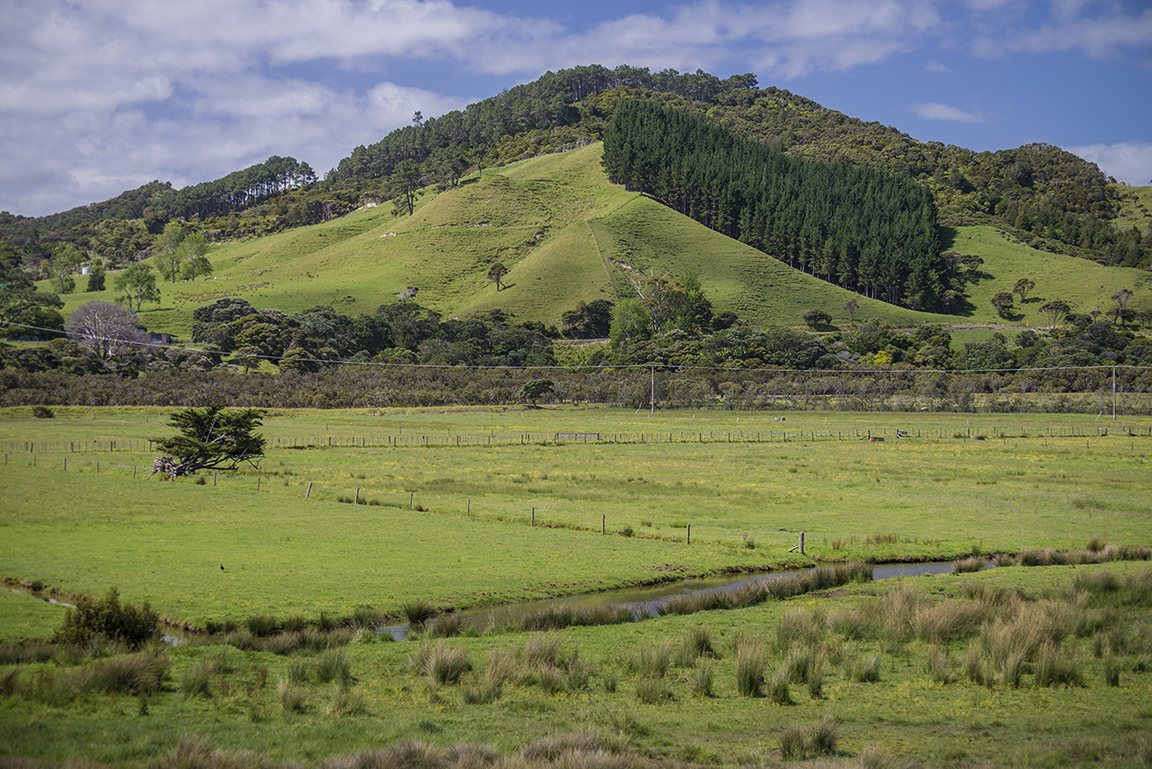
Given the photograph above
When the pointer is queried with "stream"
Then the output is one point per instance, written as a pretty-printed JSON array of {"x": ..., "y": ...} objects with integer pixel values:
[{"x": 643, "y": 601}]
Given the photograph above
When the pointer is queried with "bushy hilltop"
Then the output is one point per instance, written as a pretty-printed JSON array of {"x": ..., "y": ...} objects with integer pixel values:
[{"x": 1036, "y": 195}]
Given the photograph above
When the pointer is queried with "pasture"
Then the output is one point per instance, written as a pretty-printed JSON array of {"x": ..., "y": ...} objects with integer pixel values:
[
  {"x": 474, "y": 507},
  {"x": 1014, "y": 666}
]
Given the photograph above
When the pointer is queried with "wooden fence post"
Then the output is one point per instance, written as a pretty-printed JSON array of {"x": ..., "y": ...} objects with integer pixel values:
[
  {"x": 356, "y": 501},
  {"x": 257, "y": 483},
  {"x": 688, "y": 541},
  {"x": 309, "y": 492}
]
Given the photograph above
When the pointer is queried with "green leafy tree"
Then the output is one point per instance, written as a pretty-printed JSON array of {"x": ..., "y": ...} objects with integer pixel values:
[
  {"x": 817, "y": 318},
  {"x": 167, "y": 251},
  {"x": 62, "y": 266},
  {"x": 1120, "y": 313},
  {"x": 1002, "y": 301},
  {"x": 535, "y": 389},
  {"x": 405, "y": 180},
  {"x": 212, "y": 438},
  {"x": 96, "y": 278},
  {"x": 1056, "y": 311},
  {"x": 496, "y": 274},
  {"x": 193, "y": 256},
  {"x": 136, "y": 284},
  {"x": 18, "y": 293},
  {"x": 850, "y": 307},
  {"x": 1022, "y": 287}
]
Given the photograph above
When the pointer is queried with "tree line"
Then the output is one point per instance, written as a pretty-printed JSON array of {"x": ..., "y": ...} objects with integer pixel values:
[{"x": 864, "y": 229}]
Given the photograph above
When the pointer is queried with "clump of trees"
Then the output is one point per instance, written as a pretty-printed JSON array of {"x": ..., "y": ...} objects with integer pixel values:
[{"x": 864, "y": 229}]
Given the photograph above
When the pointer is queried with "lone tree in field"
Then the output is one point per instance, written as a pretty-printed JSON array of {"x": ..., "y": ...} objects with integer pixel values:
[
  {"x": 535, "y": 389},
  {"x": 212, "y": 438},
  {"x": 1003, "y": 304},
  {"x": 496, "y": 274},
  {"x": 1022, "y": 287},
  {"x": 817, "y": 318}
]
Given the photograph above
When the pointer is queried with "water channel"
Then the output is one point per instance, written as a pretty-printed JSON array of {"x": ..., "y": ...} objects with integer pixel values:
[{"x": 643, "y": 601}]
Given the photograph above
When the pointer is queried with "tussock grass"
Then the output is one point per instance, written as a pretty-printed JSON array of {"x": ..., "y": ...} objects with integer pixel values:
[
  {"x": 651, "y": 660},
  {"x": 335, "y": 666},
  {"x": 446, "y": 626},
  {"x": 751, "y": 660}
]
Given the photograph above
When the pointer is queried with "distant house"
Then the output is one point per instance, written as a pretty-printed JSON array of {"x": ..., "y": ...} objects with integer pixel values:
[{"x": 162, "y": 338}]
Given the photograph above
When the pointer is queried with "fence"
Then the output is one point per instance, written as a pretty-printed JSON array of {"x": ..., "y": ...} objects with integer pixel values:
[{"x": 553, "y": 438}]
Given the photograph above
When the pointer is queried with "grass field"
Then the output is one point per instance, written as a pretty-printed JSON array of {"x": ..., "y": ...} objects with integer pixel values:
[
  {"x": 566, "y": 235},
  {"x": 1016, "y": 666},
  {"x": 452, "y": 524}
]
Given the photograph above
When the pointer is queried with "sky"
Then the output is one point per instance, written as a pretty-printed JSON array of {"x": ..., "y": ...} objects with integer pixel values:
[{"x": 102, "y": 96}]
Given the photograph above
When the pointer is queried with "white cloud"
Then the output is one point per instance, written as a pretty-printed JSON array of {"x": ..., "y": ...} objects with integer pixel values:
[
  {"x": 1129, "y": 162},
  {"x": 1097, "y": 37},
  {"x": 934, "y": 111},
  {"x": 935, "y": 66}
]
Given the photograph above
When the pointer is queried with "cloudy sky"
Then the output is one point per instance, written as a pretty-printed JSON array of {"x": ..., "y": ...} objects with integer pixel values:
[{"x": 101, "y": 96}]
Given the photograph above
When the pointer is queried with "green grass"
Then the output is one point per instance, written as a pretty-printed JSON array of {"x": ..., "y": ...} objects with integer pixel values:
[
  {"x": 250, "y": 704},
  {"x": 466, "y": 541},
  {"x": 566, "y": 235}
]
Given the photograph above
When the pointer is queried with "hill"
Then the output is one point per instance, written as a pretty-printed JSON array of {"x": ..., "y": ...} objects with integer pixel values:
[{"x": 567, "y": 235}]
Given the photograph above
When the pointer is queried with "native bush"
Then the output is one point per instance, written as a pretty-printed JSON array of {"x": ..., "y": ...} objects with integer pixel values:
[{"x": 107, "y": 618}]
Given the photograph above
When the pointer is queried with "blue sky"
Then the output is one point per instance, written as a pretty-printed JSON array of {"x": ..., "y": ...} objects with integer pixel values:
[{"x": 101, "y": 96}]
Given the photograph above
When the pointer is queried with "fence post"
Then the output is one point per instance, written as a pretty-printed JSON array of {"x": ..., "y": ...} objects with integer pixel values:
[
  {"x": 214, "y": 479},
  {"x": 65, "y": 464},
  {"x": 601, "y": 524},
  {"x": 133, "y": 472},
  {"x": 410, "y": 495},
  {"x": 533, "y": 516},
  {"x": 801, "y": 543},
  {"x": 308, "y": 493},
  {"x": 356, "y": 501},
  {"x": 688, "y": 541},
  {"x": 257, "y": 483}
]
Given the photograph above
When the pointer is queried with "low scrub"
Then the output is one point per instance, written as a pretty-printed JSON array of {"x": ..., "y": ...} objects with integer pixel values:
[{"x": 108, "y": 618}]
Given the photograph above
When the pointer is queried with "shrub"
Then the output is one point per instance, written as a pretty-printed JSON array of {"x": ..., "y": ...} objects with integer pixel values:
[
  {"x": 822, "y": 738},
  {"x": 417, "y": 612},
  {"x": 579, "y": 674},
  {"x": 109, "y": 619},
  {"x": 542, "y": 651},
  {"x": 43, "y": 412}
]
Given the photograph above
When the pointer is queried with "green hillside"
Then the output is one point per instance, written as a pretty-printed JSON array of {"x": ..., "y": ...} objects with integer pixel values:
[{"x": 567, "y": 235}]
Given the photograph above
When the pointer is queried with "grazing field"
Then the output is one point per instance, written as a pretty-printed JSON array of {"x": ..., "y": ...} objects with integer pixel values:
[
  {"x": 1015, "y": 666},
  {"x": 512, "y": 513}
]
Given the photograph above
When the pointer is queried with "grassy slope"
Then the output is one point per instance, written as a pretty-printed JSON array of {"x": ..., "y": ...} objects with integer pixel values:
[{"x": 567, "y": 235}]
